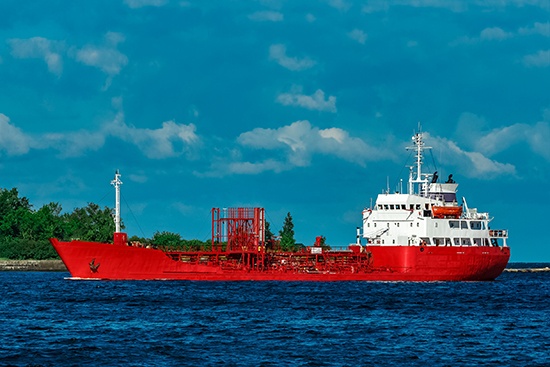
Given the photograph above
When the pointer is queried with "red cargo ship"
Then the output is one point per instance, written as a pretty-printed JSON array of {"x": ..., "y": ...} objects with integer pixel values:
[{"x": 423, "y": 235}]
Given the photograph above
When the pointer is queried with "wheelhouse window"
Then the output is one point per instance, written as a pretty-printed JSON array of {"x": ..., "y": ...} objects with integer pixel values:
[
  {"x": 453, "y": 224},
  {"x": 475, "y": 225},
  {"x": 464, "y": 225}
]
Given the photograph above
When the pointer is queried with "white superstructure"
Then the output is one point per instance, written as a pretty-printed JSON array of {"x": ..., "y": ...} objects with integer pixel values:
[{"x": 429, "y": 214}]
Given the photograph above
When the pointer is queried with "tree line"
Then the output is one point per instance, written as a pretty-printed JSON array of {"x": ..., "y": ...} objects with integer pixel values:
[{"x": 25, "y": 232}]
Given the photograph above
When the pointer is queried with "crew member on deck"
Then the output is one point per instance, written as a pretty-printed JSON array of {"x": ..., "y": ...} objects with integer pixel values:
[{"x": 450, "y": 179}]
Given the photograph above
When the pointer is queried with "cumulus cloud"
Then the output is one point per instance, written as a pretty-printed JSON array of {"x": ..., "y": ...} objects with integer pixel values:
[
  {"x": 39, "y": 48},
  {"x": 12, "y": 140},
  {"x": 536, "y": 136},
  {"x": 358, "y": 35},
  {"x": 106, "y": 57},
  {"x": 266, "y": 16},
  {"x": 471, "y": 163},
  {"x": 300, "y": 140},
  {"x": 537, "y": 28},
  {"x": 249, "y": 168},
  {"x": 134, "y": 4},
  {"x": 342, "y": 5},
  {"x": 72, "y": 144},
  {"x": 314, "y": 102},
  {"x": 278, "y": 53},
  {"x": 171, "y": 140},
  {"x": 540, "y": 59},
  {"x": 374, "y": 6},
  {"x": 494, "y": 33}
]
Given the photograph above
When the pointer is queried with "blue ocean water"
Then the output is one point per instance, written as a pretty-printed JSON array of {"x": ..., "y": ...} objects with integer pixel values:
[{"x": 47, "y": 320}]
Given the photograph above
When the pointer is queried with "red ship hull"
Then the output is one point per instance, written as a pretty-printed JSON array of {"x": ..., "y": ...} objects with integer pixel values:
[{"x": 92, "y": 260}]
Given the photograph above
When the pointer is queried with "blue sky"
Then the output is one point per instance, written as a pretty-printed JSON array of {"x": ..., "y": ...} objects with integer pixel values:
[{"x": 296, "y": 106}]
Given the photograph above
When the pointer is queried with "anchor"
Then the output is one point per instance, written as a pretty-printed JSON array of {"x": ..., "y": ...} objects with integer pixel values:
[{"x": 93, "y": 266}]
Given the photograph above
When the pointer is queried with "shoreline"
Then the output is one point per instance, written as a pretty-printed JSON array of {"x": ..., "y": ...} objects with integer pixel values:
[{"x": 32, "y": 265}]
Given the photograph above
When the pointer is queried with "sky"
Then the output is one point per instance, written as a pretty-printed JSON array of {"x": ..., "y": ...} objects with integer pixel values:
[{"x": 295, "y": 106}]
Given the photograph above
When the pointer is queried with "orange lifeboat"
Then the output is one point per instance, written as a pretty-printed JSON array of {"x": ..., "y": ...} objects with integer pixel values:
[{"x": 447, "y": 211}]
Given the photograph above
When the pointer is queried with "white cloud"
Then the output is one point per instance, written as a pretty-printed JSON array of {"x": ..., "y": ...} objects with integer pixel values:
[
  {"x": 72, "y": 144},
  {"x": 134, "y": 4},
  {"x": 494, "y": 33},
  {"x": 374, "y": 6},
  {"x": 278, "y": 53},
  {"x": 310, "y": 18},
  {"x": 342, "y": 5},
  {"x": 12, "y": 140},
  {"x": 471, "y": 164},
  {"x": 536, "y": 136},
  {"x": 39, "y": 48},
  {"x": 358, "y": 35},
  {"x": 170, "y": 140},
  {"x": 314, "y": 102},
  {"x": 249, "y": 168},
  {"x": 540, "y": 59},
  {"x": 107, "y": 57},
  {"x": 269, "y": 16},
  {"x": 538, "y": 28},
  {"x": 300, "y": 140}
]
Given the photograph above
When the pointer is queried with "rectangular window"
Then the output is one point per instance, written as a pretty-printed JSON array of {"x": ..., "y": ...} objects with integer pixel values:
[
  {"x": 475, "y": 225},
  {"x": 453, "y": 224},
  {"x": 464, "y": 225}
]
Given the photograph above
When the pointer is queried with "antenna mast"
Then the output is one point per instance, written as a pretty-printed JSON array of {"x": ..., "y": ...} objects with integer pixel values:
[
  {"x": 116, "y": 183},
  {"x": 420, "y": 178}
]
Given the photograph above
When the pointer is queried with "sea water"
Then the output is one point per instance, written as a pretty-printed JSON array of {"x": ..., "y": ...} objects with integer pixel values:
[{"x": 48, "y": 320}]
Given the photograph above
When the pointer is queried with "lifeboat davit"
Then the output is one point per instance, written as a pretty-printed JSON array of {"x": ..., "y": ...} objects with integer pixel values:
[{"x": 447, "y": 211}]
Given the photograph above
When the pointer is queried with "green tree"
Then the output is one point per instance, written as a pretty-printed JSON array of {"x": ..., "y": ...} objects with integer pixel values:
[
  {"x": 269, "y": 236},
  {"x": 90, "y": 223},
  {"x": 168, "y": 240},
  {"x": 288, "y": 243},
  {"x": 47, "y": 223},
  {"x": 15, "y": 214}
]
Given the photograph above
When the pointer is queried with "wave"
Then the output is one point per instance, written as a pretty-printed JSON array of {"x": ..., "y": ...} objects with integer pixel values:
[{"x": 527, "y": 270}]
